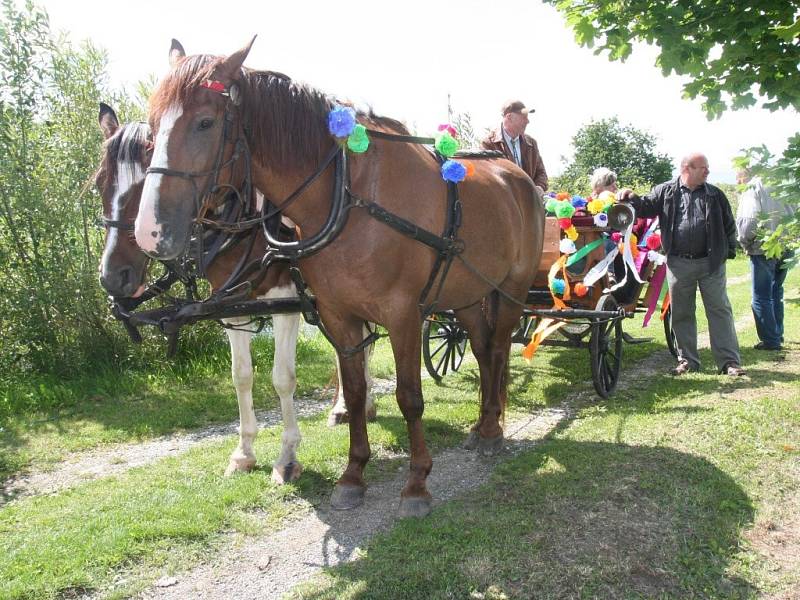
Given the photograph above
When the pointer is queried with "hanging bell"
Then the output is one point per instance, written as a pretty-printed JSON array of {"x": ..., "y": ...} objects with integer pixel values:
[{"x": 620, "y": 216}]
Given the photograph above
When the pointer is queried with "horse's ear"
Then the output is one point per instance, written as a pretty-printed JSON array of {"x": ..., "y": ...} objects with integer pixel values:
[
  {"x": 176, "y": 52},
  {"x": 231, "y": 66},
  {"x": 109, "y": 123}
]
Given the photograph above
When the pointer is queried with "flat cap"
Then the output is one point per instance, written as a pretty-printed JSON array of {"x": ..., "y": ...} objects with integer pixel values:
[{"x": 516, "y": 106}]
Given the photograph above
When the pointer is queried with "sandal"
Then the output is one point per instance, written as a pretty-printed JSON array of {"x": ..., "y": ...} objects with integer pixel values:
[
  {"x": 682, "y": 368},
  {"x": 733, "y": 370}
]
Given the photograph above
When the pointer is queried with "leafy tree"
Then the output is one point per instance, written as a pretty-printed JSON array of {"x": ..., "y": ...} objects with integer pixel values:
[
  {"x": 734, "y": 54},
  {"x": 54, "y": 313},
  {"x": 628, "y": 151}
]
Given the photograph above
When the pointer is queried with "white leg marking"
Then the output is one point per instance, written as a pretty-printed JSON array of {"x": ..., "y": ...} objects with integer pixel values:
[
  {"x": 243, "y": 458},
  {"x": 148, "y": 231},
  {"x": 284, "y": 379}
]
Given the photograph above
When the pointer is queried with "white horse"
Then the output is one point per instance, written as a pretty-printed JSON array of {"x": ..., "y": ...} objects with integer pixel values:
[{"x": 123, "y": 271}]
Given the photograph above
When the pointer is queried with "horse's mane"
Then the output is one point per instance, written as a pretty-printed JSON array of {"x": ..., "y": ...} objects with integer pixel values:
[
  {"x": 127, "y": 148},
  {"x": 286, "y": 120}
]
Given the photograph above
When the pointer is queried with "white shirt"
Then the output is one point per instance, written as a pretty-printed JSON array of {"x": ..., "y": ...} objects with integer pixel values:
[{"x": 513, "y": 143}]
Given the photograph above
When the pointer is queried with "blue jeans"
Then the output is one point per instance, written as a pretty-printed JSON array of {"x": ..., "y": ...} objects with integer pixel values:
[{"x": 768, "y": 277}]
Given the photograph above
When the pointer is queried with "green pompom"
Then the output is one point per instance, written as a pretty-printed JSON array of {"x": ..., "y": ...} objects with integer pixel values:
[
  {"x": 358, "y": 141},
  {"x": 564, "y": 209},
  {"x": 446, "y": 144},
  {"x": 550, "y": 205}
]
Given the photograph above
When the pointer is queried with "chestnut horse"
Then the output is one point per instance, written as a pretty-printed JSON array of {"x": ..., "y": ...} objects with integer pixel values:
[
  {"x": 123, "y": 270},
  {"x": 207, "y": 107}
]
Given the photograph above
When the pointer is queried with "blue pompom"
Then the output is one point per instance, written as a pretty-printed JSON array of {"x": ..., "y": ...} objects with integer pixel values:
[
  {"x": 454, "y": 171},
  {"x": 558, "y": 286},
  {"x": 341, "y": 121},
  {"x": 578, "y": 202}
]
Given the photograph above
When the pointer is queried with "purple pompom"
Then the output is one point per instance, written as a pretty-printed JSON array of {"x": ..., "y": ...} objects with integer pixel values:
[
  {"x": 341, "y": 121},
  {"x": 454, "y": 171}
]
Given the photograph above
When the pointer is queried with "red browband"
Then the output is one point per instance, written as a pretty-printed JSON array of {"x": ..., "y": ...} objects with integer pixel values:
[{"x": 214, "y": 86}]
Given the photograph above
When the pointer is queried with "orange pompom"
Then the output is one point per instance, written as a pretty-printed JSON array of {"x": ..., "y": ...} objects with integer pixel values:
[
  {"x": 470, "y": 169},
  {"x": 563, "y": 196},
  {"x": 580, "y": 289}
]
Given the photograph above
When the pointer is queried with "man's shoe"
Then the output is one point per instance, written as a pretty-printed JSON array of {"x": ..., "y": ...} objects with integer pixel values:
[
  {"x": 682, "y": 368},
  {"x": 733, "y": 370},
  {"x": 763, "y": 346}
]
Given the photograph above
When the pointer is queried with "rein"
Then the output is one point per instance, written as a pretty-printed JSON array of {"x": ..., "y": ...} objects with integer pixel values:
[{"x": 447, "y": 245}]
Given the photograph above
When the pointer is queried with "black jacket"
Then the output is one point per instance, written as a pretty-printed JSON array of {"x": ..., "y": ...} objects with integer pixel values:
[{"x": 720, "y": 224}]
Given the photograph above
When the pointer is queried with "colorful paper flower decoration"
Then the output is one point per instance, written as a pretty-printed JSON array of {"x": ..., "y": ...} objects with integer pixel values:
[
  {"x": 565, "y": 223},
  {"x": 616, "y": 237},
  {"x": 578, "y": 202},
  {"x": 564, "y": 210},
  {"x": 601, "y": 220},
  {"x": 580, "y": 289},
  {"x": 595, "y": 206},
  {"x": 607, "y": 196},
  {"x": 448, "y": 128},
  {"x": 470, "y": 169},
  {"x": 653, "y": 241},
  {"x": 446, "y": 144},
  {"x": 358, "y": 141},
  {"x": 567, "y": 246},
  {"x": 454, "y": 171},
  {"x": 341, "y": 121},
  {"x": 550, "y": 205},
  {"x": 571, "y": 233},
  {"x": 557, "y": 286},
  {"x": 563, "y": 196}
]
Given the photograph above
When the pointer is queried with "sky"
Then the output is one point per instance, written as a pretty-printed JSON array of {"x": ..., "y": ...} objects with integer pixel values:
[{"x": 404, "y": 59}]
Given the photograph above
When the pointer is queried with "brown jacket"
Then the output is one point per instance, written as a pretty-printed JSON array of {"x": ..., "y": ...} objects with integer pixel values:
[{"x": 531, "y": 159}]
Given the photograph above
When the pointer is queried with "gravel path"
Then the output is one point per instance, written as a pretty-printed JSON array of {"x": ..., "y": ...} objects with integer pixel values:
[{"x": 271, "y": 565}]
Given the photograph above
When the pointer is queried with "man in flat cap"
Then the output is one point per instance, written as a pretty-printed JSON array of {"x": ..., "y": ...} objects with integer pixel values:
[{"x": 511, "y": 140}]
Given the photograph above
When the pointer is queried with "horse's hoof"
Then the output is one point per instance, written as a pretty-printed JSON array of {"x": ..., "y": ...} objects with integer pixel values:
[
  {"x": 372, "y": 414},
  {"x": 414, "y": 506},
  {"x": 346, "y": 496},
  {"x": 472, "y": 440},
  {"x": 490, "y": 446},
  {"x": 287, "y": 473},
  {"x": 240, "y": 465},
  {"x": 335, "y": 419}
]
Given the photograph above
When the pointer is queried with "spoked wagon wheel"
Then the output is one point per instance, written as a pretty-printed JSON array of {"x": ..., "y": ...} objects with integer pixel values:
[
  {"x": 605, "y": 348},
  {"x": 444, "y": 342},
  {"x": 672, "y": 343}
]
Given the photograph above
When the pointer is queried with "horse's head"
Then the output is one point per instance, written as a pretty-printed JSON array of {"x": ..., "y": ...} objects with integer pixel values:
[
  {"x": 195, "y": 120},
  {"x": 119, "y": 180}
]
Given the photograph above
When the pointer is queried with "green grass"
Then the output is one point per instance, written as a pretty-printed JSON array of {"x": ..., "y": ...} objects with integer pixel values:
[
  {"x": 669, "y": 490},
  {"x": 532, "y": 529}
]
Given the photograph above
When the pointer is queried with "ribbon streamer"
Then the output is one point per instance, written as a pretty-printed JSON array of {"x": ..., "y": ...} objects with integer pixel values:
[
  {"x": 627, "y": 258},
  {"x": 656, "y": 283},
  {"x": 545, "y": 328}
]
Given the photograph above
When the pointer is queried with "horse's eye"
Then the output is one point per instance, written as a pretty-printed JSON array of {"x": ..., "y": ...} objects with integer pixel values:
[{"x": 205, "y": 124}]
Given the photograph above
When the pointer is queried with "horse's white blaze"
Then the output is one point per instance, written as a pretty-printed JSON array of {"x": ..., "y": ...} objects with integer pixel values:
[
  {"x": 148, "y": 231},
  {"x": 129, "y": 173}
]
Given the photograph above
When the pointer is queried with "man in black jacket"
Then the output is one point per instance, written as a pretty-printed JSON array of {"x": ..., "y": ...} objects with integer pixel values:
[{"x": 698, "y": 234}]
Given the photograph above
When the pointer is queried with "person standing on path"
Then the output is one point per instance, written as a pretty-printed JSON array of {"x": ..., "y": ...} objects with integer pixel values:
[
  {"x": 698, "y": 234},
  {"x": 768, "y": 274}
]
